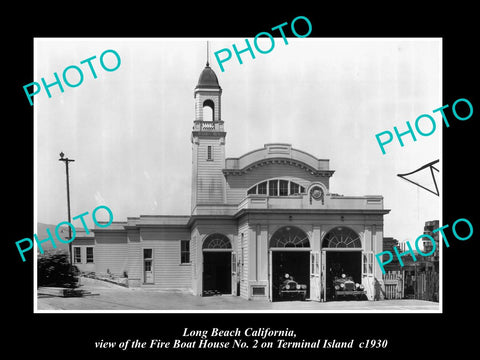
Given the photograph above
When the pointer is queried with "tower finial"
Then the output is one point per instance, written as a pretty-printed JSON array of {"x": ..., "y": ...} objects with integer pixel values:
[{"x": 207, "y": 54}]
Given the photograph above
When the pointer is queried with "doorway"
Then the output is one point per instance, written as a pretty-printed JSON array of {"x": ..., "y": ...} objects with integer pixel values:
[
  {"x": 342, "y": 262},
  {"x": 294, "y": 263},
  {"x": 217, "y": 278},
  {"x": 148, "y": 266}
]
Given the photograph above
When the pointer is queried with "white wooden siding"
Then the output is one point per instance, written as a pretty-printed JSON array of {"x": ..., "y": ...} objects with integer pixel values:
[
  {"x": 168, "y": 272},
  {"x": 134, "y": 258},
  {"x": 111, "y": 255},
  {"x": 210, "y": 181},
  {"x": 244, "y": 288}
]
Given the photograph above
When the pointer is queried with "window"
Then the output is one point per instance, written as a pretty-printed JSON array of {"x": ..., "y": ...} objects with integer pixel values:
[
  {"x": 185, "y": 251},
  {"x": 283, "y": 188},
  {"x": 147, "y": 254},
  {"x": 262, "y": 188},
  {"x": 368, "y": 263},
  {"x": 314, "y": 263},
  {"x": 77, "y": 255},
  {"x": 341, "y": 237},
  {"x": 273, "y": 188},
  {"x": 289, "y": 237},
  {"x": 294, "y": 188},
  {"x": 217, "y": 241},
  {"x": 234, "y": 263},
  {"x": 89, "y": 255},
  {"x": 276, "y": 187},
  {"x": 209, "y": 153},
  {"x": 148, "y": 265}
]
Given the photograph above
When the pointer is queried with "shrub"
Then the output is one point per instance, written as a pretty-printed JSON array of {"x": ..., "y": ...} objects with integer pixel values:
[{"x": 54, "y": 269}]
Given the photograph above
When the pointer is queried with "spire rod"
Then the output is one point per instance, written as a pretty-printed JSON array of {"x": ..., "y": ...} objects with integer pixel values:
[{"x": 207, "y": 53}]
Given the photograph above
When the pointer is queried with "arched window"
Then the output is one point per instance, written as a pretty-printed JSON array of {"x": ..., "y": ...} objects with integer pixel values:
[
  {"x": 289, "y": 236},
  {"x": 208, "y": 110},
  {"x": 277, "y": 187},
  {"x": 341, "y": 237},
  {"x": 217, "y": 241}
]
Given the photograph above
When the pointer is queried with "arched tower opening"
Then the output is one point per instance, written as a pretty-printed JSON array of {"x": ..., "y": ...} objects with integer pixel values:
[{"x": 208, "y": 110}]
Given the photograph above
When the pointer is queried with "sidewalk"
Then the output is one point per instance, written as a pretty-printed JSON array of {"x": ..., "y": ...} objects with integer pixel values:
[{"x": 106, "y": 296}]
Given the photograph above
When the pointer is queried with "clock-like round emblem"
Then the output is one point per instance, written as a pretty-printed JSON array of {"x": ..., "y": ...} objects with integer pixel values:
[{"x": 316, "y": 192}]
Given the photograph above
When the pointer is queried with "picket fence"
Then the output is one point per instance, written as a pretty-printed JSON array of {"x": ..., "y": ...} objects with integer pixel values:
[{"x": 426, "y": 285}]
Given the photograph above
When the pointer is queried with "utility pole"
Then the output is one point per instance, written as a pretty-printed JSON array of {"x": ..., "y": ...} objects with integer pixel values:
[{"x": 66, "y": 161}]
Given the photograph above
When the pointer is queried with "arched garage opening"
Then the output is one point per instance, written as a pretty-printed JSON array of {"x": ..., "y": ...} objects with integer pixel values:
[
  {"x": 343, "y": 249},
  {"x": 217, "y": 278},
  {"x": 289, "y": 259}
]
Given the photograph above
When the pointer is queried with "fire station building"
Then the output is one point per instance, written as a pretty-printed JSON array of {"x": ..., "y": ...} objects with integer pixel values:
[{"x": 253, "y": 218}]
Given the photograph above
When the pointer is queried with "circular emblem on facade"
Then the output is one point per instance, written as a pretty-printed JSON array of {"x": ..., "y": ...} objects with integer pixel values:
[{"x": 316, "y": 192}]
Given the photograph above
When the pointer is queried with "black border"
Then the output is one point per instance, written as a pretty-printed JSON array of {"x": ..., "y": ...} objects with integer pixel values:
[{"x": 408, "y": 334}]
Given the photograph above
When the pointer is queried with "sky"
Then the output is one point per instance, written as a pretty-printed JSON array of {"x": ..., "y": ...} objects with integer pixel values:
[{"x": 129, "y": 130}]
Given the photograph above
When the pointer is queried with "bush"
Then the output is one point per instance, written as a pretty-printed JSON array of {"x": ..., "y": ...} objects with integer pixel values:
[{"x": 54, "y": 269}]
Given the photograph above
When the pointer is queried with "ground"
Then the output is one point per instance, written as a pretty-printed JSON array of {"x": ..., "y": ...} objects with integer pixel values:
[{"x": 107, "y": 296}]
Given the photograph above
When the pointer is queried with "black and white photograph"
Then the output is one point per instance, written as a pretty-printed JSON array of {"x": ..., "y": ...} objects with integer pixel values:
[
  {"x": 295, "y": 181},
  {"x": 260, "y": 187}
]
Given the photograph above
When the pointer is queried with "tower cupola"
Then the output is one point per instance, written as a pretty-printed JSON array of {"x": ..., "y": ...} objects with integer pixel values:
[
  {"x": 208, "y": 79},
  {"x": 208, "y": 142}
]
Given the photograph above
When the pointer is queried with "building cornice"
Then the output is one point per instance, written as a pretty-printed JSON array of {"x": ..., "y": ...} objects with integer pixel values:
[
  {"x": 280, "y": 161},
  {"x": 195, "y": 218},
  {"x": 313, "y": 211}
]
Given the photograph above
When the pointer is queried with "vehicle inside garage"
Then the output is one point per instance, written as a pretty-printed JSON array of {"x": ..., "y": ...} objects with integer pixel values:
[
  {"x": 342, "y": 262},
  {"x": 296, "y": 265}
]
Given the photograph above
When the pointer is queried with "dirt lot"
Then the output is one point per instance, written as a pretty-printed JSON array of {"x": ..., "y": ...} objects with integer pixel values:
[{"x": 107, "y": 296}]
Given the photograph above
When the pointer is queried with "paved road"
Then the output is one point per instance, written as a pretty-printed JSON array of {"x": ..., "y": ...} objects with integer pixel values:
[{"x": 112, "y": 297}]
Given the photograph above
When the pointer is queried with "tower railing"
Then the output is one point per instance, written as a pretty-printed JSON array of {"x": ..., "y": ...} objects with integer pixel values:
[{"x": 208, "y": 125}]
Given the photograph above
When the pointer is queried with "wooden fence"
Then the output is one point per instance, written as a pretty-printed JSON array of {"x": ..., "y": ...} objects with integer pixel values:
[
  {"x": 393, "y": 281},
  {"x": 427, "y": 286},
  {"x": 421, "y": 286}
]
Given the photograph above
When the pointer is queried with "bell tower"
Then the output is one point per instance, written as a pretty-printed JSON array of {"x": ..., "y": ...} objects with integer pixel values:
[{"x": 208, "y": 142}]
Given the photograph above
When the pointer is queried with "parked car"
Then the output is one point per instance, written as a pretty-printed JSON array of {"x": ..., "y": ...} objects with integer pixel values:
[
  {"x": 345, "y": 286},
  {"x": 290, "y": 288}
]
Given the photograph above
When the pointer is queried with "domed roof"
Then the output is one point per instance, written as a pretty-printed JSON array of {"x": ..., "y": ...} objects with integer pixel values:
[{"x": 208, "y": 79}]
